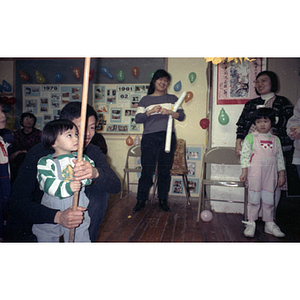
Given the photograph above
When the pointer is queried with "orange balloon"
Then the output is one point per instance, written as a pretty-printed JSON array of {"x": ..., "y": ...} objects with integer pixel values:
[
  {"x": 135, "y": 71},
  {"x": 188, "y": 97},
  {"x": 76, "y": 72},
  {"x": 129, "y": 141},
  {"x": 23, "y": 75}
]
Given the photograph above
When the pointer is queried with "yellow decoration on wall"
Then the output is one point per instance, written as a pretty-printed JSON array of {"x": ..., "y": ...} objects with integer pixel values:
[{"x": 218, "y": 60}]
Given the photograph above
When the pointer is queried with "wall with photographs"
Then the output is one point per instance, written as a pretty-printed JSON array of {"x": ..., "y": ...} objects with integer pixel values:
[
  {"x": 116, "y": 106},
  {"x": 46, "y": 101}
]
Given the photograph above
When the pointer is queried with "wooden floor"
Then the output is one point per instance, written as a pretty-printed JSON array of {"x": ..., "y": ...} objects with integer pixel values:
[{"x": 151, "y": 224}]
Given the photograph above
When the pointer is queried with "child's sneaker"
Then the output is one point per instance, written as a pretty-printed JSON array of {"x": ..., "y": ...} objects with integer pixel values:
[
  {"x": 250, "y": 229},
  {"x": 272, "y": 228}
]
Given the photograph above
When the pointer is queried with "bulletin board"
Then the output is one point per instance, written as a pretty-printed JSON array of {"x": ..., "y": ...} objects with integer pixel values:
[
  {"x": 46, "y": 101},
  {"x": 116, "y": 106}
]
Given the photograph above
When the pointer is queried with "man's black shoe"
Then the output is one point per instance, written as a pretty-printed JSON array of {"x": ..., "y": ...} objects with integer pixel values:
[
  {"x": 139, "y": 205},
  {"x": 164, "y": 206}
]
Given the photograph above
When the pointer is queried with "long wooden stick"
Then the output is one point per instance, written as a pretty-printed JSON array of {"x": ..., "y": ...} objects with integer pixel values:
[{"x": 81, "y": 132}]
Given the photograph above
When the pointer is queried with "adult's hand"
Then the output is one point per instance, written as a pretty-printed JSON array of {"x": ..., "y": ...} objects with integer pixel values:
[
  {"x": 69, "y": 218},
  {"x": 84, "y": 170}
]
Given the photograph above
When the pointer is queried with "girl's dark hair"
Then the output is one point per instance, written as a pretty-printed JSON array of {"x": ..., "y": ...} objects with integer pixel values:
[
  {"x": 273, "y": 78},
  {"x": 158, "y": 74},
  {"x": 263, "y": 113},
  {"x": 72, "y": 111},
  {"x": 52, "y": 129},
  {"x": 27, "y": 114}
]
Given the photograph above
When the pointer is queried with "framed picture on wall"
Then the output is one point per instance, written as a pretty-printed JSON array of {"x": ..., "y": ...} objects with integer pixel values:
[{"x": 235, "y": 81}]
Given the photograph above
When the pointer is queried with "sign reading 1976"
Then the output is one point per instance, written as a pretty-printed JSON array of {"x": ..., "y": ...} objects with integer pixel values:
[{"x": 50, "y": 88}]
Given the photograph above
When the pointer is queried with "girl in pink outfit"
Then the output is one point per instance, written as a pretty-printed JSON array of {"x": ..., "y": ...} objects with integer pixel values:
[{"x": 263, "y": 164}]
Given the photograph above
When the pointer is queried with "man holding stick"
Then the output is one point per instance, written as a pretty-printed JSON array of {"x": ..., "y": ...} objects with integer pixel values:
[
  {"x": 24, "y": 207},
  {"x": 154, "y": 111}
]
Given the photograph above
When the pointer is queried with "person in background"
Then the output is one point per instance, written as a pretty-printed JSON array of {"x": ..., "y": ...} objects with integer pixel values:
[
  {"x": 6, "y": 139},
  {"x": 55, "y": 177},
  {"x": 263, "y": 165},
  {"x": 266, "y": 85},
  {"x": 153, "y": 111},
  {"x": 24, "y": 206},
  {"x": 24, "y": 139},
  {"x": 293, "y": 130}
]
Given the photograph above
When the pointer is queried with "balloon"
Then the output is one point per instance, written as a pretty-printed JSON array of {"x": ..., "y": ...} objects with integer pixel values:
[
  {"x": 121, "y": 75},
  {"x": 135, "y": 71},
  {"x": 11, "y": 101},
  {"x": 58, "y": 77},
  {"x": 206, "y": 216},
  {"x": 106, "y": 72},
  {"x": 188, "y": 97},
  {"x": 204, "y": 123},
  {"x": 91, "y": 74},
  {"x": 223, "y": 117},
  {"x": 137, "y": 140},
  {"x": 151, "y": 75},
  {"x": 6, "y": 108},
  {"x": 129, "y": 141},
  {"x": 5, "y": 100},
  {"x": 39, "y": 77},
  {"x": 177, "y": 86},
  {"x": 10, "y": 123},
  {"x": 76, "y": 72},
  {"x": 6, "y": 86},
  {"x": 192, "y": 77},
  {"x": 23, "y": 75}
]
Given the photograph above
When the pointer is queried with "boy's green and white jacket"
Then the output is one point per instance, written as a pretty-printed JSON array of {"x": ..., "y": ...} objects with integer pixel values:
[{"x": 49, "y": 180}]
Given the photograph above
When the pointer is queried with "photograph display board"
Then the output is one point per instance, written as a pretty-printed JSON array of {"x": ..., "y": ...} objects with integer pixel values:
[
  {"x": 46, "y": 101},
  {"x": 116, "y": 106}
]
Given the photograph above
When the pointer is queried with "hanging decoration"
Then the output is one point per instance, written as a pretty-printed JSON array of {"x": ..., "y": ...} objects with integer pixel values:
[
  {"x": 9, "y": 100},
  {"x": 189, "y": 96},
  {"x": 223, "y": 117},
  {"x": 91, "y": 76},
  {"x": 129, "y": 141},
  {"x": 206, "y": 216},
  {"x": 39, "y": 77},
  {"x": 121, "y": 75},
  {"x": 204, "y": 123},
  {"x": 135, "y": 71},
  {"x": 177, "y": 86},
  {"x": 105, "y": 70},
  {"x": 58, "y": 77},
  {"x": 76, "y": 72},
  {"x": 6, "y": 86},
  {"x": 218, "y": 60},
  {"x": 24, "y": 76},
  {"x": 151, "y": 75},
  {"x": 192, "y": 77},
  {"x": 137, "y": 140}
]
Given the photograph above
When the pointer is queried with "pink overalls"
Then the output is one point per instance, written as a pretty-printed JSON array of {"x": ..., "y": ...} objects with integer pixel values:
[{"x": 262, "y": 177}]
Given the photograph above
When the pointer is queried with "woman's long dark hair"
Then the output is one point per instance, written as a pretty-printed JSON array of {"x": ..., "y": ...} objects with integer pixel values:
[{"x": 158, "y": 74}]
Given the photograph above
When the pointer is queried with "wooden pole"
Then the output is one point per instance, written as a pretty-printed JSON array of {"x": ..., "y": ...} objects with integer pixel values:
[{"x": 81, "y": 132}]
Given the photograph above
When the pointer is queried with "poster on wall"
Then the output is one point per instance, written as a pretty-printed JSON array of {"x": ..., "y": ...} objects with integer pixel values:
[
  {"x": 46, "y": 101},
  {"x": 235, "y": 81},
  {"x": 116, "y": 106},
  {"x": 193, "y": 160}
]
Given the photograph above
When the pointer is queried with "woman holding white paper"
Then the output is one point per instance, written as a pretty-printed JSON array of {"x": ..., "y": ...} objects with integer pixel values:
[{"x": 154, "y": 111}]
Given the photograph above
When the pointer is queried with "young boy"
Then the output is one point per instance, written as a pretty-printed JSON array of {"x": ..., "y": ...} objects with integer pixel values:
[{"x": 55, "y": 177}]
